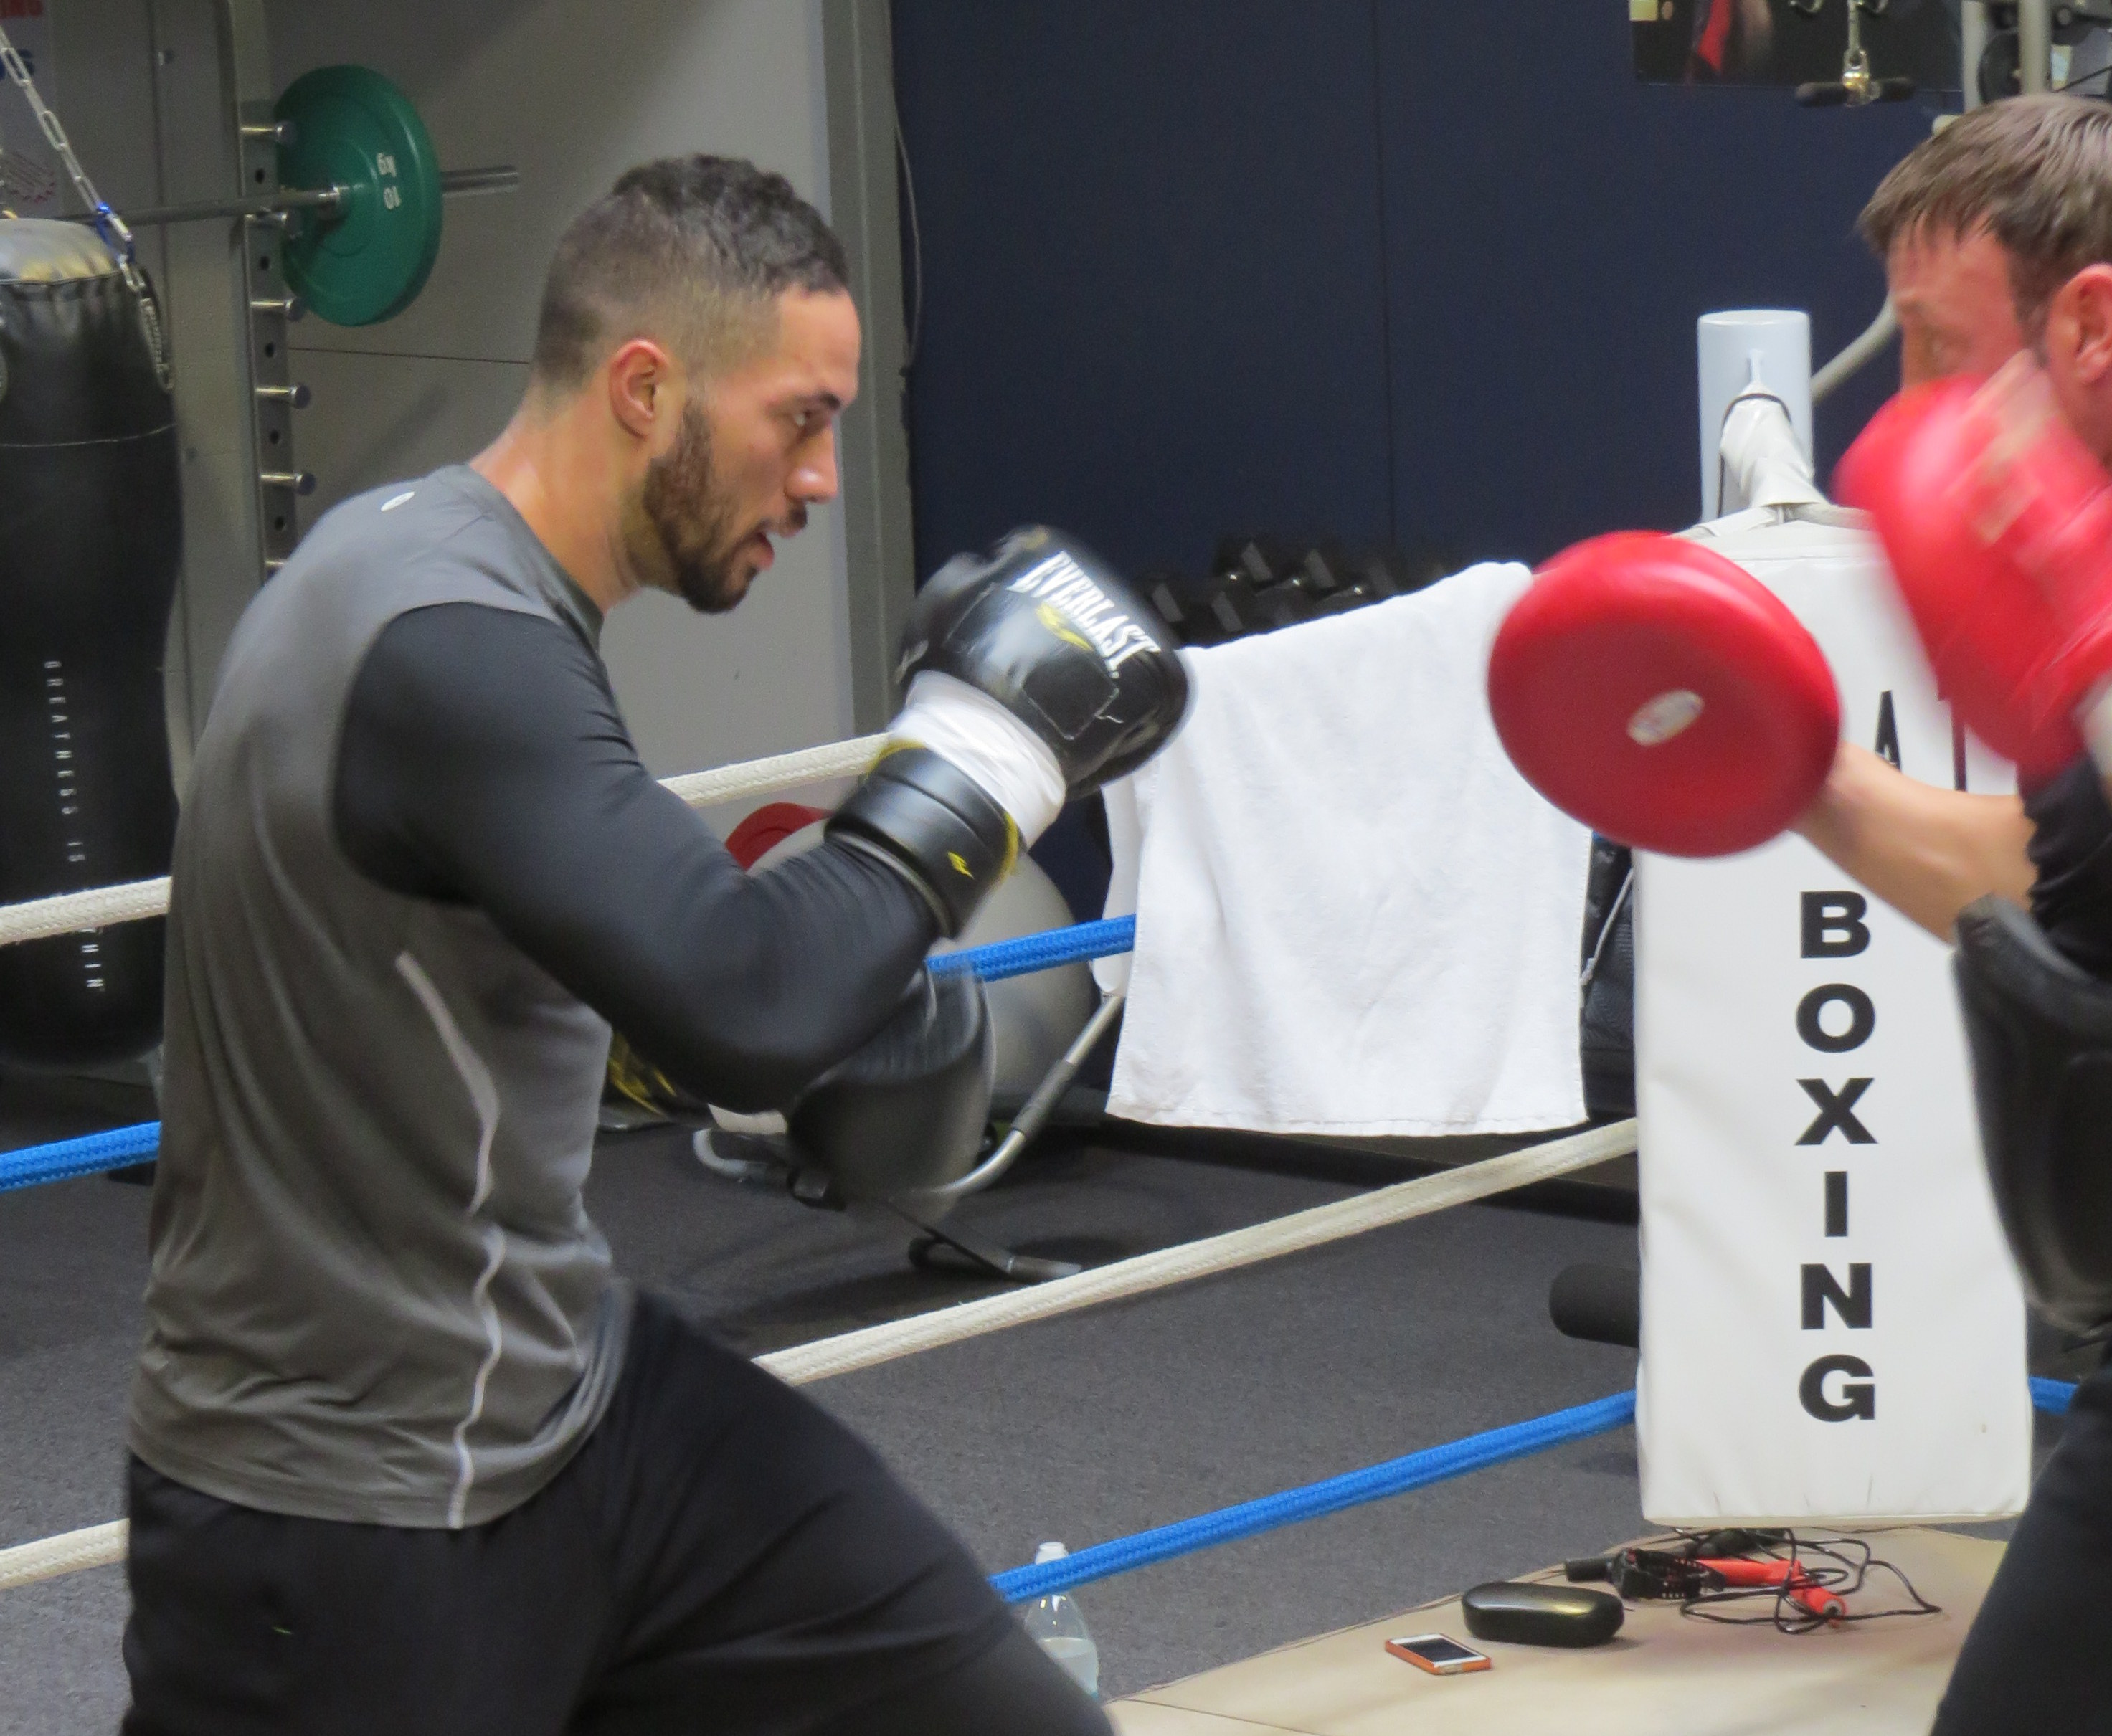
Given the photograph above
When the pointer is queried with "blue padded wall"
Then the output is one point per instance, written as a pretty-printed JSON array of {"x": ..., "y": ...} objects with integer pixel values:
[
  {"x": 1153, "y": 303},
  {"x": 1380, "y": 268},
  {"x": 1553, "y": 231}
]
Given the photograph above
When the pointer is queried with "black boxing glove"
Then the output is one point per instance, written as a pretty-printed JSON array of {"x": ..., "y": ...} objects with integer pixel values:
[
  {"x": 934, "y": 825},
  {"x": 1033, "y": 678},
  {"x": 1042, "y": 627},
  {"x": 906, "y": 1112}
]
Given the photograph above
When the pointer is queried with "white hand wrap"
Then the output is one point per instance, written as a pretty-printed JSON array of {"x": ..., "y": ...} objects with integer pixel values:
[{"x": 967, "y": 726}]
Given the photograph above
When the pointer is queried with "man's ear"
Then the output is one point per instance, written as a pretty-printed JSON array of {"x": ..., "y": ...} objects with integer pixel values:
[
  {"x": 2079, "y": 325},
  {"x": 644, "y": 395}
]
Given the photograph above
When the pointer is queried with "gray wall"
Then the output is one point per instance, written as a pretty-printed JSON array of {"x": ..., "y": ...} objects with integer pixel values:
[
  {"x": 571, "y": 95},
  {"x": 574, "y": 95}
]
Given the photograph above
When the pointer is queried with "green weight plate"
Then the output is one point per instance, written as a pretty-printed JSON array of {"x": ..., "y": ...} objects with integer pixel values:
[{"x": 353, "y": 127}]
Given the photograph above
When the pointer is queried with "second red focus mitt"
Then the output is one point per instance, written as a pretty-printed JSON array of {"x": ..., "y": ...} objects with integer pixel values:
[{"x": 1997, "y": 522}]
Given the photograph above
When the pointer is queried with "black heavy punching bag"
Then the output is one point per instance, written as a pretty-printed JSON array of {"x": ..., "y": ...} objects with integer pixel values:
[{"x": 90, "y": 536}]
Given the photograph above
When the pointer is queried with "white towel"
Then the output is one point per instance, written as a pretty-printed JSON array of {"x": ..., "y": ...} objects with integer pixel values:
[{"x": 1353, "y": 916}]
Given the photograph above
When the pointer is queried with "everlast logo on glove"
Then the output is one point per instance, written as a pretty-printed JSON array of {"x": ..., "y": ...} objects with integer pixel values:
[
  {"x": 1042, "y": 627},
  {"x": 1069, "y": 597}
]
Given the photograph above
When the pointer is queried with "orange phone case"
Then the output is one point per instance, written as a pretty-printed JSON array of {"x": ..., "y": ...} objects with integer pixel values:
[{"x": 1464, "y": 1666}]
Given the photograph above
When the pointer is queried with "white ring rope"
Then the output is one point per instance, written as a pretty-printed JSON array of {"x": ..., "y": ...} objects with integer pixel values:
[
  {"x": 781, "y": 771},
  {"x": 100, "y": 907},
  {"x": 70, "y": 1552},
  {"x": 1312, "y": 1228},
  {"x": 104, "y": 1546}
]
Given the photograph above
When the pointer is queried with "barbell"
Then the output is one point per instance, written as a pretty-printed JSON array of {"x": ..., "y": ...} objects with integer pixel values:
[{"x": 360, "y": 191}]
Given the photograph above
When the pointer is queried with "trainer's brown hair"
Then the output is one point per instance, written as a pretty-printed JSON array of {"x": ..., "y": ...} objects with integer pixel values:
[{"x": 2035, "y": 172}]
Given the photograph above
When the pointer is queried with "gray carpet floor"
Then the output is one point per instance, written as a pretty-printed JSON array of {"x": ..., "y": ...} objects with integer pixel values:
[{"x": 1082, "y": 1429}]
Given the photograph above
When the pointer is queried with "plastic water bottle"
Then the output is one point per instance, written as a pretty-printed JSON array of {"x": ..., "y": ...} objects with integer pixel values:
[{"x": 1056, "y": 1626}]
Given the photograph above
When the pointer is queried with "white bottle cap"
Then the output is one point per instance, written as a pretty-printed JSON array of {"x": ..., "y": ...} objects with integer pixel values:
[{"x": 1049, "y": 1552}]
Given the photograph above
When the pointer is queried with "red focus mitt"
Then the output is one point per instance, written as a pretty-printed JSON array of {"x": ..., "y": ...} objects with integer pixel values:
[
  {"x": 1997, "y": 523},
  {"x": 1651, "y": 688}
]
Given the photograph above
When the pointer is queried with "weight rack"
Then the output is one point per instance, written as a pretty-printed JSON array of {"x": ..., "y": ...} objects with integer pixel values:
[
  {"x": 262, "y": 211},
  {"x": 268, "y": 307}
]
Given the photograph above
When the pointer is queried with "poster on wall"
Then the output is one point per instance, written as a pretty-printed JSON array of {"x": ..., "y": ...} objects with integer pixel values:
[
  {"x": 29, "y": 173},
  {"x": 1791, "y": 42}
]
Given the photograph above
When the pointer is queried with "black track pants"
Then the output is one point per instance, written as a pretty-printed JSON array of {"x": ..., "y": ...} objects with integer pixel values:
[
  {"x": 2039, "y": 1655},
  {"x": 721, "y": 1556}
]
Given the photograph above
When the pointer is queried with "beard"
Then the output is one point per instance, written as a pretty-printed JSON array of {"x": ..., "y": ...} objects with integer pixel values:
[{"x": 688, "y": 514}]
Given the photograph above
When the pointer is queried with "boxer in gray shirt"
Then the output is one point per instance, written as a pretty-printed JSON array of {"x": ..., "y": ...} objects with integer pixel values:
[{"x": 405, "y": 1455}]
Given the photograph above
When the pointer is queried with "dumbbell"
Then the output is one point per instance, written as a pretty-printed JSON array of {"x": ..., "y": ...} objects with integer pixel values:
[
  {"x": 1283, "y": 605},
  {"x": 1324, "y": 571},
  {"x": 1203, "y": 612},
  {"x": 1260, "y": 560}
]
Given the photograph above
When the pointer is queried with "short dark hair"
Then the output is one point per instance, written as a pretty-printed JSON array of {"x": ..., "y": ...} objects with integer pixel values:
[
  {"x": 700, "y": 242},
  {"x": 2035, "y": 172}
]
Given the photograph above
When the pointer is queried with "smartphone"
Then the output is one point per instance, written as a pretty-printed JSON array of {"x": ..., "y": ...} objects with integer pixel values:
[{"x": 1438, "y": 1655}]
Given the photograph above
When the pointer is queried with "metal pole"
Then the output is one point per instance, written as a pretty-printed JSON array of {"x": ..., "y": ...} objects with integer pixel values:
[
  {"x": 455, "y": 183},
  {"x": 867, "y": 170},
  {"x": 1034, "y": 1114},
  {"x": 325, "y": 199},
  {"x": 1972, "y": 45},
  {"x": 2035, "y": 45},
  {"x": 467, "y": 183},
  {"x": 1880, "y": 332}
]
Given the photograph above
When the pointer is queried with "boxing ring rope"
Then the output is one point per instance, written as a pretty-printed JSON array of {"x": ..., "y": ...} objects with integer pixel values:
[
  {"x": 1314, "y": 1227},
  {"x": 1356, "y": 1488},
  {"x": 2051, "y": 1396},
  {"x": 70, "y": 1552},
  {"x": 1294, "y": 1506},
  {"x": 1857, "y": 355},
  {"x": 101, "y": 1546},
  {"x": 64, "y": 1160},
  {"x": 1032, "y": 953},
  {"x": 102, "y": 906}
]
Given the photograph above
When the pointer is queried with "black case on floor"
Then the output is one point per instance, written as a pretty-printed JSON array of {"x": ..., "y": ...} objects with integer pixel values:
[{"x": 1526, "y": 1614}]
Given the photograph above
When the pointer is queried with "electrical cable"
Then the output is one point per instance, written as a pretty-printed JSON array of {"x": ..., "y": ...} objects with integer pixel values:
[{"x": 1828, "y": 1562}]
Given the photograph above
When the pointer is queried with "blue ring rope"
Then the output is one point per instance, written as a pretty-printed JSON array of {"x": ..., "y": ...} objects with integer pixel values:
[
  {"x": 1004, "y": 958},
  {"x": 2051, "y": 1396},
  {"x": 123, "y": 1147},
  {"x": 1354, "y": 1488},
  {"x": 117, "y": 1149}
]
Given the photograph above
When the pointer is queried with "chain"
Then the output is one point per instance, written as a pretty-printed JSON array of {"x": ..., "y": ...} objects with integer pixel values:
[{"x": 108, "y": 224}]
